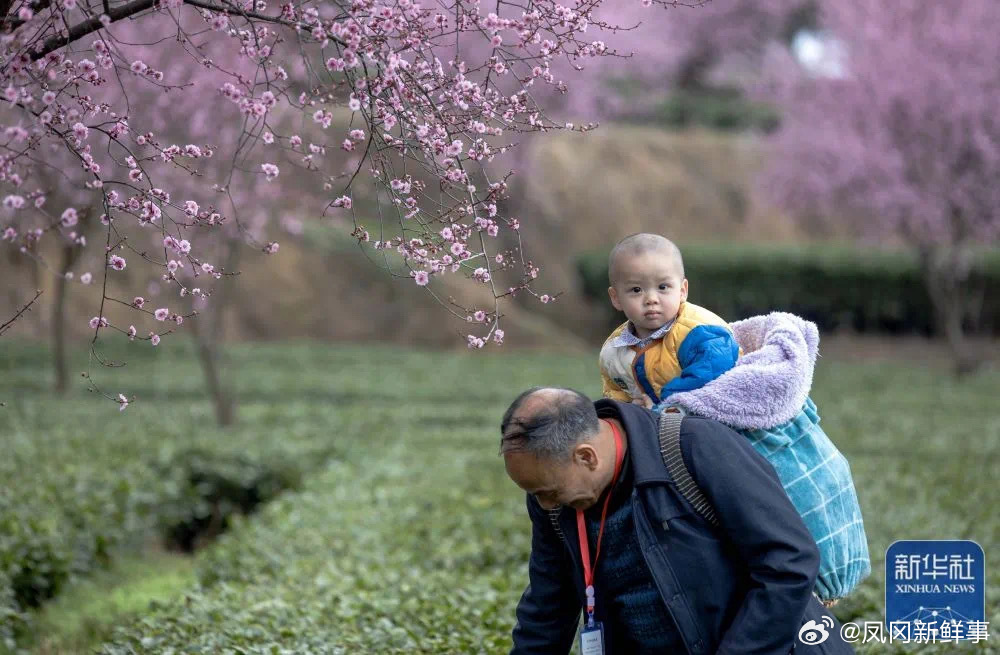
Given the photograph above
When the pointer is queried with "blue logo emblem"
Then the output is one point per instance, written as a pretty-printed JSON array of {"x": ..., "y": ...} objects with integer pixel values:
[{"x": 935, "y": 591}]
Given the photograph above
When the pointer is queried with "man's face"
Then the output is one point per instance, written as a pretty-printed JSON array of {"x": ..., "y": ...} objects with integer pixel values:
[{"x": 557, "y": 481}]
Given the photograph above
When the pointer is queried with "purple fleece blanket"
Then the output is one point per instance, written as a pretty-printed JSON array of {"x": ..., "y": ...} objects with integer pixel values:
[{"x": 771, "y": 379}]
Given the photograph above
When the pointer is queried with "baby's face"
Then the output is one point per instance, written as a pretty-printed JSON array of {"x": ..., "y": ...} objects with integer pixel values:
[{"x": 649, "y": 289}]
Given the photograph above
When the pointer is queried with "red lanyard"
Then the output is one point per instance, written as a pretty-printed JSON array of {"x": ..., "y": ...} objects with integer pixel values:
[{"x": 581, "y": 525}]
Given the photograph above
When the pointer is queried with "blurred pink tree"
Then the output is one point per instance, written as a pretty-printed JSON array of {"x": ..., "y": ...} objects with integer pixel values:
[
  {"x": 697, "y": 49},
  {"x": 169, "y": 120},
  {"x": 905, "y": 138}
]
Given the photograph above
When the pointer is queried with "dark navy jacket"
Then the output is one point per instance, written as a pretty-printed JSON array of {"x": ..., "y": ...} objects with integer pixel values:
[{"x": 744, "y": 587}]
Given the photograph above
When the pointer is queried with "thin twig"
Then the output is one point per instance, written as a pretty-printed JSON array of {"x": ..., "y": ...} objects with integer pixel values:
[{"x": 6, "y": 326}]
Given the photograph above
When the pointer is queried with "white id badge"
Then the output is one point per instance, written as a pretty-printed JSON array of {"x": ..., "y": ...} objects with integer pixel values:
[{"x": 592, "y": 639}]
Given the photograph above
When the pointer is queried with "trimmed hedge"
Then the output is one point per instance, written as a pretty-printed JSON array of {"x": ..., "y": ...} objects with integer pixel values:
[
  {"x": 722, "y": 108},
  {"x": 64, "y": 526},
  {"x": 84, "y": 482},
  {"x": 837, "y": 287}
]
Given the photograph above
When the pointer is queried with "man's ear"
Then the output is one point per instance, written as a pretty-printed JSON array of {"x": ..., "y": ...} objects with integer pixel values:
[
  {"x": 684, "y": 290},
  {"x": 614, "y": 298},
  {"x": 586, "y": 455}
]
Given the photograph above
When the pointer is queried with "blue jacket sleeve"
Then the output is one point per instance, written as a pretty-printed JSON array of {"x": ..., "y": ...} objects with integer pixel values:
[
  {"x": 549, "y": 611},
  {"x": 766, "y": 531},
  {"x": 707, "y": 352}
]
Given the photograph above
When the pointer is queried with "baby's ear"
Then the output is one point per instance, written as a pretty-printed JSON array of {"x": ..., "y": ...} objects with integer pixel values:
[
  {"x": 684, "y": 290},
  {"x": 614, "y": 298}
]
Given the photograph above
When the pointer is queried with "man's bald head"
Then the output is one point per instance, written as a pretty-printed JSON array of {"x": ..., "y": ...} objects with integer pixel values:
[
  {"x": 638, "y": 244},
  {"x": 548, "y": 421}
]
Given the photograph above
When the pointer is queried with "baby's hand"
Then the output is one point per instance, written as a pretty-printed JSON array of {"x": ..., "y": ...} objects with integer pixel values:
[{"x": 644, "y": 401}]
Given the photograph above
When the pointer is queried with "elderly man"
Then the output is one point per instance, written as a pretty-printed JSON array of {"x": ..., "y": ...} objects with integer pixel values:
[{"x": 612, "y": 535}]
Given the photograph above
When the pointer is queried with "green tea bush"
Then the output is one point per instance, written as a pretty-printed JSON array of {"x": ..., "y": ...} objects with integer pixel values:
[{"x": 83, "y": 481}]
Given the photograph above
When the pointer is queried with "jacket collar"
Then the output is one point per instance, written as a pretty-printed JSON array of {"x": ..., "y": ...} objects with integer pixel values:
[{"x": 642, "y": 433}]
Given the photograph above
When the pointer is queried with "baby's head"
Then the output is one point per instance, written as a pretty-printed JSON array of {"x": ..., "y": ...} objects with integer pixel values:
[{"x": 646, "y": 272}]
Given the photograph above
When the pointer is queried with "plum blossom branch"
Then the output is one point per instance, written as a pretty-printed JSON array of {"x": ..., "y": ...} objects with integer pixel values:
[{"x": 6, "y": 325}]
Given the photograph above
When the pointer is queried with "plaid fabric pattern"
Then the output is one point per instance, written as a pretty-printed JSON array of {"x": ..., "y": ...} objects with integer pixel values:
[
  {"x": 628, "y": 338},
  {"x": 817, "y": 479}
]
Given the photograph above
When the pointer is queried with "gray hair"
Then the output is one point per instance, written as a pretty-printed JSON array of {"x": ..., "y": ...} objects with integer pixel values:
[{"x": 551, "y": 430}]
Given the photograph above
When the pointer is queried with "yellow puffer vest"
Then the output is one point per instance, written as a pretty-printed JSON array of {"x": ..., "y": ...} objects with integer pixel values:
[{"x": 660, "y": 365}]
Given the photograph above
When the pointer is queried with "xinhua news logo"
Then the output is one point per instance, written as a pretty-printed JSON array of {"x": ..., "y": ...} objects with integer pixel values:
[{"x": 935, "y": 593}]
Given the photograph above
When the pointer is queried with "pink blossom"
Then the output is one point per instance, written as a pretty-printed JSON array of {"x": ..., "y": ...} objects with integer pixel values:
[
  {"x": 98, "y": 321},
  {"x": 498, "y": 336},
  {"x": 343, "y": 201},
  {"x": 131, "y": 332},
  {"x": 161, "y": 314},
  {"x": 457, "y": 248},
  {"x": 85, "y": 278},
  {"x": 138, "y": 302},
  {"x": 122, "y": 402},
  {"x": 9, "y": 234},
  {"x": 154, "y": 338},
  {"x": 270, "y": 171},
  {"x": 117, "y": 262},
  {"x": 80, "y": 131},
  {"x": 190, "y": 208},
  {"x": 271, "y": 248},
  {"x": 479, "y": 316},
  {"x": 69, "y": 217},
  {"x": 421, "y": 278},
  {"x": 545, "y": 298}
]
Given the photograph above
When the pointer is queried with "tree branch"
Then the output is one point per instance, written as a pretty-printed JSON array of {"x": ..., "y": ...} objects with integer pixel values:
[
  {"x": 81, "y": 30},
  {"x": 6, "y": 326},
  {"x": 11, "y": 23}
]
